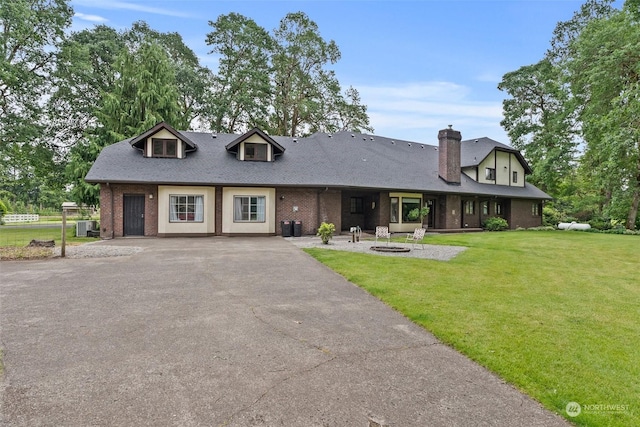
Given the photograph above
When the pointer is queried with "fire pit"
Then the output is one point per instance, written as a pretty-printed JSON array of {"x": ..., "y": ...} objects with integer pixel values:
[{"x": 390, "y": 249}]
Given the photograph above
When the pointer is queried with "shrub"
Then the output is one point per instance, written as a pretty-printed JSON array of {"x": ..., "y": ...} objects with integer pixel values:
[
  {"x": 418, "y": 213},
  {"x": 325, "y": 231},
  {"x": 551, "y": 215},
  {"x": 495, "y": 224}
]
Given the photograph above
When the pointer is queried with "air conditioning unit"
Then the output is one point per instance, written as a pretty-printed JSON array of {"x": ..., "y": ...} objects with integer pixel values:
[{"x": 83, "y": 226}]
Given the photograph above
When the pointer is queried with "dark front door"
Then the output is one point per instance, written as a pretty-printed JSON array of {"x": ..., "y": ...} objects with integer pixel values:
[{"x": 134, "y": 214}]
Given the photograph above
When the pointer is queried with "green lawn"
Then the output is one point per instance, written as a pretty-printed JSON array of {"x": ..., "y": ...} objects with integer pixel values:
[
  {"x": 15, "y": 238},
  {"x": 554, "y": 313}
]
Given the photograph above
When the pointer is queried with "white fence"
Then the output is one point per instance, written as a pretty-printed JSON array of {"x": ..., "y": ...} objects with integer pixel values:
[{"x": 21, "y": 217}]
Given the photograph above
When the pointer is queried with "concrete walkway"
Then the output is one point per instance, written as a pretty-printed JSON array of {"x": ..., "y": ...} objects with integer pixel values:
[{"x": 227, "y": 332}]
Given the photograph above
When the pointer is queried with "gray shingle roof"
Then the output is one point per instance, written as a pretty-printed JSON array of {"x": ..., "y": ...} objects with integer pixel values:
[{"x": 344, "y": 159}]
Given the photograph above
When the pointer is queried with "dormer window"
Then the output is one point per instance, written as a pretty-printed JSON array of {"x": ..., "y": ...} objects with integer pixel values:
[
  {"x": 255, "y": 152},
  {"x": 165, "y": 147},
  {"x": 255, "y": 146}
]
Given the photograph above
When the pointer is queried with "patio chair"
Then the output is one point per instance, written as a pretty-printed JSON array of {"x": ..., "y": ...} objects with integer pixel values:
[
  {"x": 416, "y": 236},
  {"x": 382, "y": 232}
]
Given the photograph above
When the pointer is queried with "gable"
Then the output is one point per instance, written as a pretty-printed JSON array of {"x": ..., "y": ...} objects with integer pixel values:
[
  {"x": 162, "y": 140},
  {"x": 255, "y": 145}
]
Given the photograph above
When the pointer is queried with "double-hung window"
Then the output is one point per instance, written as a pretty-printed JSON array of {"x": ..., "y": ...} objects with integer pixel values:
[
  {"x": 186, "y": 208},
  {"x": 249, "y": 209}
]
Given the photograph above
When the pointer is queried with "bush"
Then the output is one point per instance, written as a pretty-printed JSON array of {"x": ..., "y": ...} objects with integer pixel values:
[
  {"x": 551, "y": 216},
  {"x": 495, "y": 224},
  {"x": 325, "y": 231}
]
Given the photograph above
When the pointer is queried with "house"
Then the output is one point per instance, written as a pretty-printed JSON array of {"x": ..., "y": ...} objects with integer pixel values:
[{"x": 166, "y": 182}]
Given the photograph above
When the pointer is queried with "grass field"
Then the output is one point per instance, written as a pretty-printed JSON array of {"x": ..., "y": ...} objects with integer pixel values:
[
  {"x": 15, "y": 238},
  {"x": 554, "y": 313}
]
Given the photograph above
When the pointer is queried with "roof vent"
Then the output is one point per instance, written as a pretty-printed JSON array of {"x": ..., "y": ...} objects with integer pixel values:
[
  {"x": 422, "y": 146},
  {"x": 364, "y": 160},
  {"x": 213, "y": 135},
  {"x": 353, "y": 136},
  {"x": 435, "y": 148},
  {"x": 372, "y": 138},
  {"x": 393, "y": 142},
  {"x": 329, "y": 135},
  {"x": 475, "y": 141},
  {"x": 409, "y": 144},
  {"x": 295, "y": 140}
]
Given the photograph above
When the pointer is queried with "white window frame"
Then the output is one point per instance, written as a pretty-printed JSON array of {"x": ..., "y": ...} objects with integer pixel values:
[
  {"x": 182, "y": 205},
  {"x": 254, "y": 209}
]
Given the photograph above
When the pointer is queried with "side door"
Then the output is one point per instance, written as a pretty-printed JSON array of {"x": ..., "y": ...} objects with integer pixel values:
[{"x": 133, "y": 206}]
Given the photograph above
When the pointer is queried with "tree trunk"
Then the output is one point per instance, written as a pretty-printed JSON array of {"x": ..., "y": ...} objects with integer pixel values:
[{"x": 633, "y": 210}]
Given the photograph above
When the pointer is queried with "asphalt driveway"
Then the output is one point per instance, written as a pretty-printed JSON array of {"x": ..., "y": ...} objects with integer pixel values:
[{"x": 227, "y": 332}]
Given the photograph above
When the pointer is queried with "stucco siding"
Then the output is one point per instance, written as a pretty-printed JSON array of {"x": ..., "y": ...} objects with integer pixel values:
[
  {"x": 166, "y": 227},
  {"x": 516, "y": 166},
  {"x": 229, "y": 226}
]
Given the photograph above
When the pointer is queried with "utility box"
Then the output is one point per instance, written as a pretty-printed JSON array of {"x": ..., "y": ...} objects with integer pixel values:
[
  {"x": 297, "y": 228},
  {"x": 287, "y": 228},
  {"x": 83, "y": 227}
]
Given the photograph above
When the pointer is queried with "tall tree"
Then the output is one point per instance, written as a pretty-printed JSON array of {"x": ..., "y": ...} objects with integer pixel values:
[
  {"x": 144, "y": 94},
  {"x": 300, "y": 76},
  {"x": 242, "y": 86},
  {"x": 192, "y": 80},
  {"x": 85, "y": 69},
  {"x": 30, "y": 33},
  {"x": 539, "y": 120},
  {"x": 605, "y": 73},
  {"x": 340, "y": 111}
]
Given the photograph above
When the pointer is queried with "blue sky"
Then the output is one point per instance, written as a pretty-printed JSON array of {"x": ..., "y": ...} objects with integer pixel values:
[{"x": 418, "y": 65}]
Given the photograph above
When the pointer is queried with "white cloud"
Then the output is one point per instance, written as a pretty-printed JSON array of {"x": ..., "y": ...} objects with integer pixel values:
[
  {"x": 90, "y": 18},
  {"x": 124, "y": 5},
  {"x": 417, "y": 111}
]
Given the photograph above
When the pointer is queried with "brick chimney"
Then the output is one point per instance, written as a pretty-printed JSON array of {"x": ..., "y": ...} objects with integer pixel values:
[{"x": 449, "y": 155}]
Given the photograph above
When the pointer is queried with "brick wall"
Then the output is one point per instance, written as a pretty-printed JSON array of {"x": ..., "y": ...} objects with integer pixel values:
[
  {"x": 111, "y": 219},
  {"x": 522, "y": 215},
  {"x": 329, "y": 208},
  {"x": 106, "y": 231},
  {"x": 449, "y": 155},
  {"x": 449, "y": 211},
  {"x": 304, "y": 200},
  {"x": 313, "y": 207}
]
